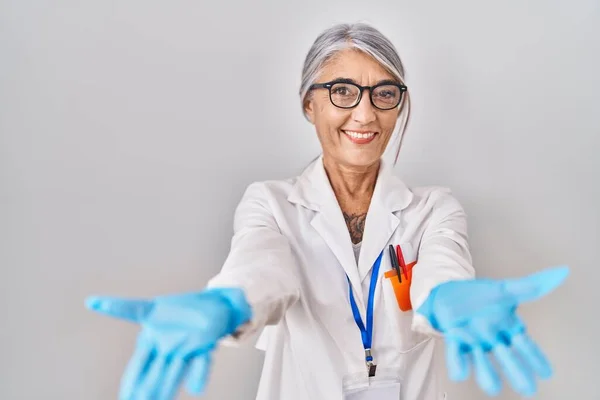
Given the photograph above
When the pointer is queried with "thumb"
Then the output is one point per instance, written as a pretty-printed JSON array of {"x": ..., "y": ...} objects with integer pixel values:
[
  {"x": 536, "y": 286},
  {"x": 125, "y": 309}
]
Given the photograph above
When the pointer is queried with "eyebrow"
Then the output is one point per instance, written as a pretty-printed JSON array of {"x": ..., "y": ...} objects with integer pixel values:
[{"x": 350, "y": 80}]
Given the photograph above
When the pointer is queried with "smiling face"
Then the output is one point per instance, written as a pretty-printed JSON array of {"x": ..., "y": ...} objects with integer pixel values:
[{"x": 357, "y": 137}]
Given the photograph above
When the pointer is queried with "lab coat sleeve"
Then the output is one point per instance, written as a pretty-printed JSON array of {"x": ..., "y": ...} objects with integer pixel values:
[
  {"x": 443, "y": 254},
  {"x": 260, "y": 262}
]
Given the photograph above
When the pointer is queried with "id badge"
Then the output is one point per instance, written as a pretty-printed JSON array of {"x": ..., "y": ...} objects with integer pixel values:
[
  {"x": 383, "y": 391},
  {"x": 385, "y": 386}
]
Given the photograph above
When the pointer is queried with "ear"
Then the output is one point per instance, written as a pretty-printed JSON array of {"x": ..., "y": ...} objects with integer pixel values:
[{"x": 309, "y": 109}]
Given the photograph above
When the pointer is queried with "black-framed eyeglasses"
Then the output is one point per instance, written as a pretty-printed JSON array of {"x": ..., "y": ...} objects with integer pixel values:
[{"x": 344, "y": 93}]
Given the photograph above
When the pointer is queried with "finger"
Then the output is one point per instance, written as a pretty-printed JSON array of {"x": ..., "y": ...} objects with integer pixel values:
[
  {"x": 137, "y": 367},
  {"x": 499, "y": 340},
  {"x": 487, "y": 378},
  {"x": 198, "y": 374},
  {"x": 152, "y": 380},
  {"x": 457, "y": 360},
  {"x": 518, "y": 375},
  {"x": 176, "y": 370},
  {"x": 129, "y": 310},
  {"x": 532, "y": 355},
  {"x": 536, "y": 286}
]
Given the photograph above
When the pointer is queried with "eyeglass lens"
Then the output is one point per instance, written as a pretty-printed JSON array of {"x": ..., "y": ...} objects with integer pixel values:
[{"x": 346, "y": 95}]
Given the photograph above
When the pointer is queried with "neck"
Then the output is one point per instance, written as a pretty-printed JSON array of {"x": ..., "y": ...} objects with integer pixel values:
[{"x": 353, "y": 186}]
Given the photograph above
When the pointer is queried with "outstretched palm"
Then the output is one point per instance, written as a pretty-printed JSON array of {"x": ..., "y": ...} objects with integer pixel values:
[
  {"x": 177, "y": 338},
  {"x": 478, "y": 318}
]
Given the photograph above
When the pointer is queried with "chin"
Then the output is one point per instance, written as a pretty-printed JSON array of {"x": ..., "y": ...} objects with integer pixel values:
[{"x": 361, "y": 159}]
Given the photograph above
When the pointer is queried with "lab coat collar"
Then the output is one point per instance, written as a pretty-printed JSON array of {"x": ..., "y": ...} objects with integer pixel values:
[{"x": 313, "y": 191}]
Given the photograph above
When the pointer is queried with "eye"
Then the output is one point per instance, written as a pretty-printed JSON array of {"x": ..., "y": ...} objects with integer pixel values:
[
  {"x": 386, "y": 94},
  {"x": 344, "y": 90}
]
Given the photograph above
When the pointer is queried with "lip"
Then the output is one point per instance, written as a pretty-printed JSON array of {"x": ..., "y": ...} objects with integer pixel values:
[{"x": 360, "y": 140}]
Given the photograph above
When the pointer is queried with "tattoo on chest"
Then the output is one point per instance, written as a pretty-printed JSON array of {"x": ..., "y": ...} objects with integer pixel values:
[{"x": 356, "y": 226}]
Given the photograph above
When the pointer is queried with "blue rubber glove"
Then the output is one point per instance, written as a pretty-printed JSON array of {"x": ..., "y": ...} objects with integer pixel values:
[
  {"x": 178, "y": 335},
  {"x": 478, "y": 318}
]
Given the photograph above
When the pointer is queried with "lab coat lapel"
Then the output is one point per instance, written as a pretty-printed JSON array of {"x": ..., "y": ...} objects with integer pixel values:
[
  {"x": 389, "y": 196},
  {"x": 314, "y": 191}
]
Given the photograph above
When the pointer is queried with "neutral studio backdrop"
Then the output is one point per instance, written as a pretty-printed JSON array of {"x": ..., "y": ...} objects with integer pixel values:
[{"x": 129, "y": 130}]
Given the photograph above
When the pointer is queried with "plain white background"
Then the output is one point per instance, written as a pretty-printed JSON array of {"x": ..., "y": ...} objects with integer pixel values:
[{"x": 129, "y": 130}]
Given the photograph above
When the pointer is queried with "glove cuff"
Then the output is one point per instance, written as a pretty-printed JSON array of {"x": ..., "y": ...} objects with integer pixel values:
[
  {"x": 427, "y": 309},
  {"x": 235, "y": 298}
]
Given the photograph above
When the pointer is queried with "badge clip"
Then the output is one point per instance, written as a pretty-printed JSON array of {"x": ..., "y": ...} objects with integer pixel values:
[{"x": 371, "y": 367}]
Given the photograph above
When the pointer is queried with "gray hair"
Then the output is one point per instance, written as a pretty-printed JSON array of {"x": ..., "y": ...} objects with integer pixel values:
[{"x": 359, "y": 36}]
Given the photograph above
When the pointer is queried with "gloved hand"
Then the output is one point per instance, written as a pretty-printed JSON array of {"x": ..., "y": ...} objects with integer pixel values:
[
  {"x": 178, "y": 335},
  {"x": 478, "y": 318}
]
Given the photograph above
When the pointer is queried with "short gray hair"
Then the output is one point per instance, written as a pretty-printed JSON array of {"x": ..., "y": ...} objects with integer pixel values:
[
  {"x": 359, "y": 36},
  {"x": 362, "y": 37}
]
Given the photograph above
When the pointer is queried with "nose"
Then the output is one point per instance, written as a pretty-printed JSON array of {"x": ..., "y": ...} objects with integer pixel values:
[{"x": 364, "y": 112}]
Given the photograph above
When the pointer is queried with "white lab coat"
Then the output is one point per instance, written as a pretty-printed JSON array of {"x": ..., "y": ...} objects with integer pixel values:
[{"x": 291, "y": 253}]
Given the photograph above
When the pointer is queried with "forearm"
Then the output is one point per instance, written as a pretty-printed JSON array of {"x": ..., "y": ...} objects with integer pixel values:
[
  {"x": 443, "y": 256},
  {"x": 260, "y": 263}
]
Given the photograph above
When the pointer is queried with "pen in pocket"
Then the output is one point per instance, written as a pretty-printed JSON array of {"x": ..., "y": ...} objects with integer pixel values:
[{"x": 394, "y": 261}]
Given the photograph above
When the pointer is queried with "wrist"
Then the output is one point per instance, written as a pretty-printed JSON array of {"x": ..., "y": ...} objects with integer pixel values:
[
  {"x": 427, "y": 308},
  {"x": 240, "y": 311}
]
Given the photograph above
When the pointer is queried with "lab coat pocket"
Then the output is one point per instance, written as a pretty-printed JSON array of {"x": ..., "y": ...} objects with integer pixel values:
[
  {"x": 396, "y": 295},
  {"x": 400, "y": 275},
  {"x": 401, "y": 287}
]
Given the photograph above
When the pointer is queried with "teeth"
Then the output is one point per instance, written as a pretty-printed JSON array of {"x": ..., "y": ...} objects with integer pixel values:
[{"x": 358, "y": 135}]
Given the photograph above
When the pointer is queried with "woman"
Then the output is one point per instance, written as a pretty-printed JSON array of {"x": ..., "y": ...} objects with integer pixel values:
[{"x": 343, "y": 314}]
